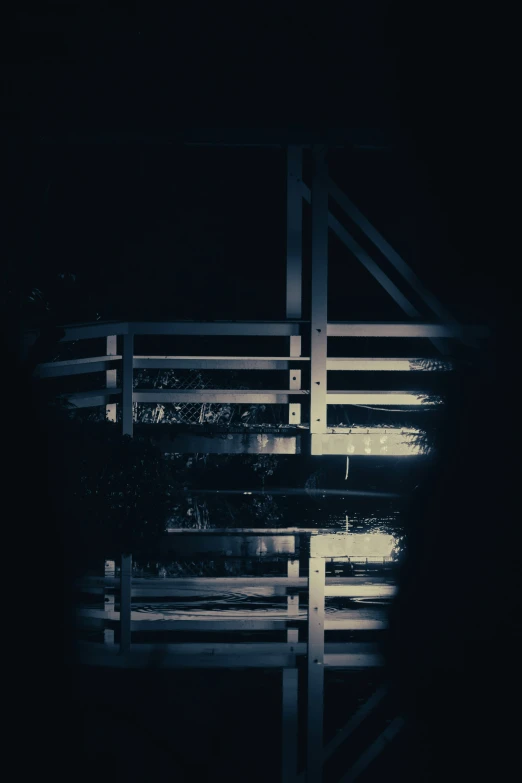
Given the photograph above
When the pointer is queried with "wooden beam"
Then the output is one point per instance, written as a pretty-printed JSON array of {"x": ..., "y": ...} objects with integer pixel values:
[
  {"x": 318, "y": 353},
  {"x": 399, "y": 329},
  {"x": 294, "y": 233},
  {"x": 97, "y": 329},
  {"x": 217, "y": 362},
  {"x": 78, "y": 366},
  {"x": 315, "y": 670},
  {"x": 219, "y": 328},
  {"x": 294, "y": 380},
  {"x": 371, "y": 753},
  {"x": 370, "y": 364},
  {"x": 393, "y": 257},
  {"x": 111, "y": 377},
  {"x": 290, "y": 725},
  {"x": 216, "y": 623},
  {"x": 409, "y": 399},
  {"x": 127, "y": 372},
  {"x": 241, "y": 396},
  {"x": 125, "y": 603},
  {"x": 374, "y": 269}
]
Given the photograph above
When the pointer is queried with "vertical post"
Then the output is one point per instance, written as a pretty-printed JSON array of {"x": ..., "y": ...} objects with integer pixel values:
[
  {"x": 292, "y": 634},
  {"x": 108, "y": 598},
  {"x": 110, "y": 376},
  {"x": 294, "y": 262},
  {"x": 294, "y": 409},
  {"x": 290, "y": 725},
  {"x": 125, "y": 603},
  {"x": 319, "y": 297},
  {"x": 127, "y": 384},
  {"x": 294, "y": 232},
  {"x": 314, "y": 751}
]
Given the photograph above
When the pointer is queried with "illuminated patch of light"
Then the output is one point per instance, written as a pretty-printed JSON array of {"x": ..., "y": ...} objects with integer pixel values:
[
  {"x": 354, "y": 545},
  {"x": 378, "y": 441}
]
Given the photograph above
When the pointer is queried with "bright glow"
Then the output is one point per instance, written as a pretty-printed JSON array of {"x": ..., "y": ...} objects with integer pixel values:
[
  {"x": 374, "y": 441},
  {"x": 356, "y": 545}
]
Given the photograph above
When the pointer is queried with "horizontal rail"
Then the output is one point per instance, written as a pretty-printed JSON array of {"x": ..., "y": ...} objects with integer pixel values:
[
  {"x": 259, "y": 396},
  {"x": 191, "y": 328},
  {"x": 378, "y": 398},
  {"x": 103, "y": 363},
  {"x": 405, "y": 329},
  {"x": 77, "y": 366},
  {"x": 221, "y": 622},
  {"x": 249, "y": 396},
  {"x": 217, "y": 362},
  {"x": 97, "y": 330},
  {"x": 144, "y": 656},
  {"x": 239, "y": 582}
]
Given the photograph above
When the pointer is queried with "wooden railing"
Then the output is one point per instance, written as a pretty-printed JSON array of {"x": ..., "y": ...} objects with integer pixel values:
[{"x": 121, "y": 360}]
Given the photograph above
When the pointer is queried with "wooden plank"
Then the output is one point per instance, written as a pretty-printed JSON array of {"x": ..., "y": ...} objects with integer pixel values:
[
  {"x": 355, "y": 721},
  {"x": 370, "y": 364},
  {"x": 262, "y": 648},
  {"x": 232, "y": 584},
  {"x": 393, "y": 257},
  {"x": 290, "y": 725},
  {"x": 374, "y": 269},
  {"x": 127, "y": 373},
  {"x": 239, "y": 396},
  {"x": 77, "y": 366},
  {"x": 371, "y": 753},
  {"x": 218, "y": 328},
  {"x": 319, "y": 300},
  {"x": 91, "y": 399},
  {"x": 94, "y": 330},
  {"x": 399, "y": 329},
  {"x": 315, "y": 670},
  {"x": 214, "y": 362},
  {"x": 294, "y": 408},
  {"x": 379, "y": 398},
  {"x": 294, "y": 232},
  {"x": 111, "y": 377},
  {"x": 125, "y": 603}
]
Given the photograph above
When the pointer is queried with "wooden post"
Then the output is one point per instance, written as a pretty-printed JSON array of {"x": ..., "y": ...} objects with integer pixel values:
[
  {"x": 290, "y": 725},
  {"x": 316, "y": 583},
  {"x": 319, "y": 313},
  {"x": 294, "y": 409},
  {"x": 108, "y": 600},
  {"x": 294, "y": 233},
  {"x": 127, "y": 384},
  {"x": 125, "y": 603},
  {"x": 110, "y": 377},
  {"x": 294, "y": 263},
  {"x": 292, "y": 634}
]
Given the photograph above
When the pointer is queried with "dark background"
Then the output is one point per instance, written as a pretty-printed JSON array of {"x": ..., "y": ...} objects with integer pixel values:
[
  {"x": 155, "y": 229},
  {"x": 151, "y": 228}
]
